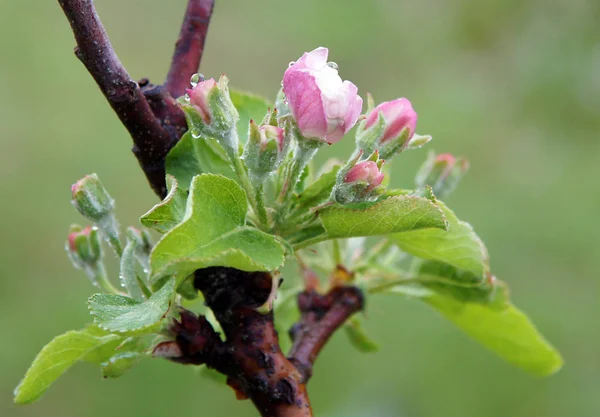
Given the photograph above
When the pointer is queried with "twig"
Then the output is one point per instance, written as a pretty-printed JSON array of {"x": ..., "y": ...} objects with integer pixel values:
[
  {"x": 151, "y": 140},
  {"x": 321, "y": 316},
  {"x": 190, "y": 46},
  {"x": 149, "y": 112}
]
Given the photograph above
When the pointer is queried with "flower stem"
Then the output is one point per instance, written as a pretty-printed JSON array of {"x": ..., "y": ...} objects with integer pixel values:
[
  {"x": 101, "y": 278},
  {"x": 263, "y": 217},
  {"x": 305, "y": 151},
  {"x": 311, "y": 241},
  {"x": 254, "y": 196}
]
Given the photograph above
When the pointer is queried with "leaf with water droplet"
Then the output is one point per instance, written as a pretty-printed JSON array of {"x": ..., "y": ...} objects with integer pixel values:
[{"x": 117, "y": 313}]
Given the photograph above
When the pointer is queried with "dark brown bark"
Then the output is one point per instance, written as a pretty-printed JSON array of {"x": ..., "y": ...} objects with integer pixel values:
[
  {"x": 250, "y": 354},
  {"x": 190, "y": 46},
  {"x": 149, "y": 112},
  {"x": 321, "y": 316}
]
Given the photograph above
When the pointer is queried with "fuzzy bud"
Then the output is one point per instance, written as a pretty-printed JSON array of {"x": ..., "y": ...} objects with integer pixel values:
[
  {"x": 442, "y": 173},
  {"x": 83, "y": 246},
  {"x": 359, "y": 181},
  {"x": 265, "y": 148},
  {"x": 210, "y": 112},
  {"x": 91, "y": 199}
]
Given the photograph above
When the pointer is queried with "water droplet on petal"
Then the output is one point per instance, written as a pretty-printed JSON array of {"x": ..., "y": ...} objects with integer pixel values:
[
  {"x": 291, "y": 64},
  {"x": 333, "y": 65},
  {"x": 196, "y": 78}
]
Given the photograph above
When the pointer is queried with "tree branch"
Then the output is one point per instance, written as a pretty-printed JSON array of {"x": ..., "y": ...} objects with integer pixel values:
[
  {"x": 94, "y": 50},
  {"x": 321, "y": 316},
  {"x": 190, "y": 46},
  {"x": 250, "y": 356}
]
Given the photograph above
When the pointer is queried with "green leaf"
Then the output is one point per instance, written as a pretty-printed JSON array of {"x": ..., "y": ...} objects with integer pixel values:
[
  {"x": 249, "y": 106},
  {"x": 320, "y": 190},
  {"x": 193, "y": 156},
  {"x": 117, "y": 313},
  {"x": 213, "y": 233},
  {"x": 391, "y": 215},
  {"x": 58, "y": 356},
  {"x": 128, "y": 354},
  {"x": 358, "y": 338},
  {"x": 507, "y": 332},
  {"x": 461, "y": 284},
  {"x": 459, "y": 246},
  {"x": 120, "y": 363},
  {"x": 169, "y": 212},
  {"x": 128, "y": 274}
]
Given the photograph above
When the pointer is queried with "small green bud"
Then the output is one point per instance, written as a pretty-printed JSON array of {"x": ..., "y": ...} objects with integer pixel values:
[
  {"x": 91, "y": 199},
  {"x": 83, "y": 246},
  {"x": 265, "y": 149}
]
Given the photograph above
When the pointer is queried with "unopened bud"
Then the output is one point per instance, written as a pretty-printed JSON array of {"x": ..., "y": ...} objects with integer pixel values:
[
  {"x": 91, "y": 199},
  {"x": 83, "y": 246},
  {"x": 390, "y": 128},
  {"x": 265, "y": 148},
  {"x": 210, "y": 112},
  {"x": 359, "y": 181},
  {"x": 442, "y": 173}
]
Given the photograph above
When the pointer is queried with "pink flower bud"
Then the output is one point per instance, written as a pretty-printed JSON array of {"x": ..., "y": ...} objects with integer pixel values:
[
  {"x": 398, "y": 114},
  {"x": 447, "y": 158},
  {"x": 366, "y": 171},
  {"x": 199, "y": 98},
  {"x": 324, "y": 106},
  {"x": 442, "y": 173},
  {"x": 268, "y": 133},
  {"x": 76, "y": 233}
]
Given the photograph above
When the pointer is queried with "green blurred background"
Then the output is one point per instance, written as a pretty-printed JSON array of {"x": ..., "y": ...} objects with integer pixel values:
[{"x": 512, "y": 85}]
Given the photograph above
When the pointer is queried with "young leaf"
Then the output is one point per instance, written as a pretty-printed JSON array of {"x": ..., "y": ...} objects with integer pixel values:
[
  {"x": 58, "y": 356},
  {"x": 129, "y": 353},
  {"x": 213, "y": 233},
  {"x": 128, "y": 274},
  {"x": 117, "y": 313},
  {"x": 393, "y": 214},
  {"x": 507, "y": 332},
  {"x": 358, "y": 338},
  {"x": 459, "y": 246},
  {"x": 320, "y": 190},
  {"x": 249, "y": 106},
  {"x": 191, "y": 156},
  {"x": 169, "y": 212},
  {"x": 120, "y": 363},
  {"x": 461, "y": 284}
]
